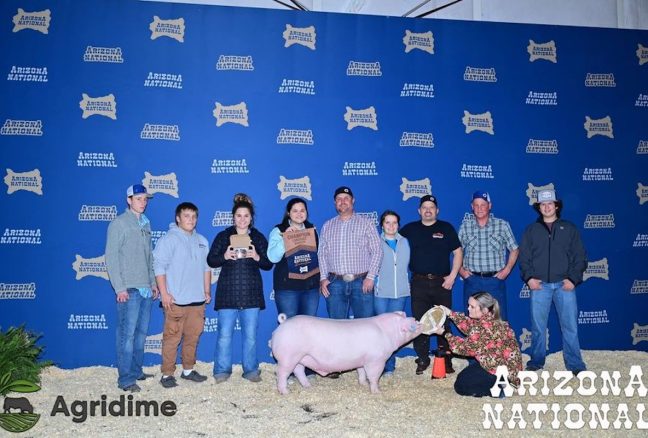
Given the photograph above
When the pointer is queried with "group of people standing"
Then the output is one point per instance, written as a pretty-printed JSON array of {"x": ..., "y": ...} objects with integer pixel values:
[{"x": 355, "y": 268}]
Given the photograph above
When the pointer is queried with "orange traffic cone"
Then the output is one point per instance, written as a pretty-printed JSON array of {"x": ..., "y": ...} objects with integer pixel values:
[{"x": 438, "y": 366}]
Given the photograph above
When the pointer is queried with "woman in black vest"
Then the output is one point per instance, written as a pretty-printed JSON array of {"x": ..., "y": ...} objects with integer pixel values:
[{"x": 293, "y": 248}]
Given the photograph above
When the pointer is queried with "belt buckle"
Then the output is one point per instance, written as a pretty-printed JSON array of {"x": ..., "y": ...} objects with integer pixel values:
[{"x": 348, "y": 278}]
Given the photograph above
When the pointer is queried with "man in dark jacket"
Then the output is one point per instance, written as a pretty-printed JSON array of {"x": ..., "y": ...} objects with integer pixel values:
[{"x": 552, "y": 262}]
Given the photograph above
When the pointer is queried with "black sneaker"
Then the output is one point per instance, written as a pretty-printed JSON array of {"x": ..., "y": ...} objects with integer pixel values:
[
  {"x": 132, "y": 388},
  {"x": 193, "y": 376},
  {"x": 144, "y": 376},
  {"x": 448, "y": 364},
  {"x": 421, "y": 366},
  {"x": 168, "y": 382}
]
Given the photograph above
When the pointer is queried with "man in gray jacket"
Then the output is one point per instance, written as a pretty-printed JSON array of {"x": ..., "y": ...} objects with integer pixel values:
[
  {"x": 552, "y": 262},
  {"x": 130, "y": 268}
]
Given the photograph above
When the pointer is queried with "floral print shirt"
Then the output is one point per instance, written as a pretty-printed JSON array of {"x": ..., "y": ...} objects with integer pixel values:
[{"x": 491, "y": 341}]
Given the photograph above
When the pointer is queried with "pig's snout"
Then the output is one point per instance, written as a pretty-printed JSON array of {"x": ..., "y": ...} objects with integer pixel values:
[{"x": 281, "y": 318}]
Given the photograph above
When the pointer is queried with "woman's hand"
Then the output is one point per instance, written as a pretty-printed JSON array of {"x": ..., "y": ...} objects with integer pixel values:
[
  {"x": 230, "y": 254},
  {"x": 252, "y": 254}
]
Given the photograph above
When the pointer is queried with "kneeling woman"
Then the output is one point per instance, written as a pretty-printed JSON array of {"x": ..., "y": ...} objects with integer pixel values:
[{"x": 489, "y": 340}]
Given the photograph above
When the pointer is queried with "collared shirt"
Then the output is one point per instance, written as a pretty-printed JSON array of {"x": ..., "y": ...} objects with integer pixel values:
[
  {"x": 143, "y": 221},
  {"x": 485, "y": 247},
  {"x": 349, "y": 246}
]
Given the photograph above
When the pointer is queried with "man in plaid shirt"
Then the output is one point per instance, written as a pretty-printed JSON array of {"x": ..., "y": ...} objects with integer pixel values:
[
  {"x": 485, "y": 240},
  {"x": 349, "y": 260}
]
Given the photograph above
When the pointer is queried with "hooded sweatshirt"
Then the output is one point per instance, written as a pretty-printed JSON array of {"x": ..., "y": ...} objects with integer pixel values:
[{"x": 182, "y": 257}]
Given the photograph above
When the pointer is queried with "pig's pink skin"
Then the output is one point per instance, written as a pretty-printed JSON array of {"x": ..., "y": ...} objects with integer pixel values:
[{"x": 329, "y": 345}]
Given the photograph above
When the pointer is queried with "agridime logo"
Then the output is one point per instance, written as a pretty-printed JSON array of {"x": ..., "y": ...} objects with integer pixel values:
[
  {"x": 18, "y": 413},
  {"x": 124, "y": 406}
]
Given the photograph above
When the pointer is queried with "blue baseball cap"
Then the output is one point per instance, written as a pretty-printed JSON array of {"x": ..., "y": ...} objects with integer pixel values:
[
  {"x": 137, "y": 189},
  {"x": 479, "y": 194}
]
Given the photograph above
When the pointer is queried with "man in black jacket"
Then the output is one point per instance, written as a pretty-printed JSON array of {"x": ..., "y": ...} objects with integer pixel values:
[{"x": 552, "y": 261}]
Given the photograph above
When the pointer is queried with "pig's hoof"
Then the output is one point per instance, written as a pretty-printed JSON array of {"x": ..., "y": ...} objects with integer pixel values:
[{"x": 283, "y": 391}]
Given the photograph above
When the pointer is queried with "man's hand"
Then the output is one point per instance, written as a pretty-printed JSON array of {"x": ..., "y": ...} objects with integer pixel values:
[
  {"x": 156, "y": 292},
  {"x": 207, "y": 297},
  {"x": 367, "y": 285},
  {"x": 465, "y": 273},
  {"x": 122, "y": 296},
  {"x": 448, "y": 282},
  {"x": 534, "y": 284},
  {"x": 167, "y": 300},
  {"x": 568, "y": 285},
  {"x": 503, "y": 273},
  {"x": 324, "y": 287}
]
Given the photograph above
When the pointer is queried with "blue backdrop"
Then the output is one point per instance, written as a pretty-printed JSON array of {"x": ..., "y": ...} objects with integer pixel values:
[{"x": 200, "y": 102}]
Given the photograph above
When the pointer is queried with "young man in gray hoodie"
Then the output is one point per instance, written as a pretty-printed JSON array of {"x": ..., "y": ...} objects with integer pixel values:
[
  {"x": 129, "y": 262},
  {"x": 184, "y": 279}
]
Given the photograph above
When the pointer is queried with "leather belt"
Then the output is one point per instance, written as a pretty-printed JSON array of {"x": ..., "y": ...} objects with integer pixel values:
[
  {"x": 347, "y": 277},
  {"x": 485, "y": 274},
  {"x": 427, "y": 276}
]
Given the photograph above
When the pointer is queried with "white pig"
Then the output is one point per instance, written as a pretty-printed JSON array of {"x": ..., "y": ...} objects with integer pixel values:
[{"x": 333, "y": 345}]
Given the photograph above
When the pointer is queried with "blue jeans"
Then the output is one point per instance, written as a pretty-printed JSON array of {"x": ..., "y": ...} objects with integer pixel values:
[
  {"x": 492, "y": 285},
  {"x": 297, "y": 302},
  {"x": 248, "y": 319},
  {"x": 384, "y": 305},
  {"x": 132, "y": 326},
  {"x": 567, "y": 311},
  {"x": 343, "y": 294}
]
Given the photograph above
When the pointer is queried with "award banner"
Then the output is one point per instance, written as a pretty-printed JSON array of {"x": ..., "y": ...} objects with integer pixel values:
[{"x": 301, "y": 252}]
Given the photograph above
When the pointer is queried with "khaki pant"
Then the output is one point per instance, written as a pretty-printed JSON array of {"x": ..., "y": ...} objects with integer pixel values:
[{"x": 181, "y": 324}]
